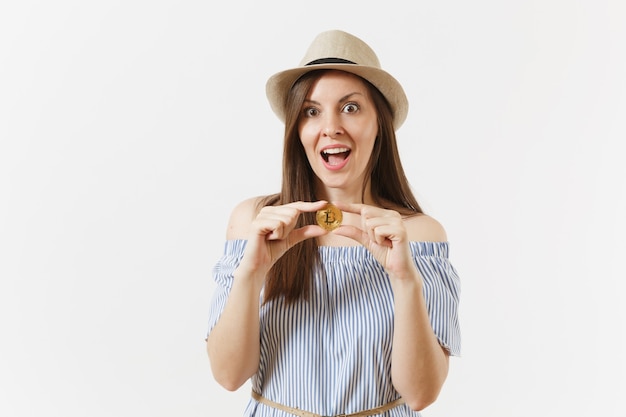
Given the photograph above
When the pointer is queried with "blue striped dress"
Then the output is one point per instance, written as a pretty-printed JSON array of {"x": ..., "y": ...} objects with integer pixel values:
[{"x": 331, "y": 354}]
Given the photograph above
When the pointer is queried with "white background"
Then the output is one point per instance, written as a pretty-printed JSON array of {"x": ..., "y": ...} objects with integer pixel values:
[{"x": 129, "y": 129}]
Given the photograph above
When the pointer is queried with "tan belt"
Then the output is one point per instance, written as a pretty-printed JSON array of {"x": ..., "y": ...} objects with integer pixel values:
[{"x": 302, "y": 413}]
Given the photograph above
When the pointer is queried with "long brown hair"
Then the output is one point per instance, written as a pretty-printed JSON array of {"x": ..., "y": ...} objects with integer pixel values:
[{"x": 293, "y": 274}]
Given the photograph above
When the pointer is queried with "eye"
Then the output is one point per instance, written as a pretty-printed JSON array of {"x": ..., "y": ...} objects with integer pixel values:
[
  {"x": 350, "y": 108},
  {"x": 310, "y": 112}
]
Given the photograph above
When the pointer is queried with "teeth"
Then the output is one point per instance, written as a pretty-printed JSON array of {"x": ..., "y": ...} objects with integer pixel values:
[{"x": 335, "y": 150}]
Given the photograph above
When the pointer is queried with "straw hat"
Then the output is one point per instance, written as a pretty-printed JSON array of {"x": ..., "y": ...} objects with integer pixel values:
[{"x": 339, "y": 50}]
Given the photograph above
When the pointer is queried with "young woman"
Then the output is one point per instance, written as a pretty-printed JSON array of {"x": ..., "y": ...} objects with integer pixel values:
[{"x": 357, "y": 319}]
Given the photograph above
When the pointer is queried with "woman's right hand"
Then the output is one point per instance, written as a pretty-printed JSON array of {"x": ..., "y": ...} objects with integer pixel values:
[{"x": 273, "y": 232}]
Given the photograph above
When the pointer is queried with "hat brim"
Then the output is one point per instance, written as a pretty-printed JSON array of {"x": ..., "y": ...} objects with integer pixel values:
[{"x": 279, "y": 84}]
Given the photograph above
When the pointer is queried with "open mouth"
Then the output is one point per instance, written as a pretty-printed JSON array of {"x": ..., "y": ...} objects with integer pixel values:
[{"x": 335, "y": 156}]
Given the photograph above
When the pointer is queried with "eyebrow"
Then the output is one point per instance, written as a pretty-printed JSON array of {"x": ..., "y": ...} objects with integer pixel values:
[{"x": 344, "y": 98}]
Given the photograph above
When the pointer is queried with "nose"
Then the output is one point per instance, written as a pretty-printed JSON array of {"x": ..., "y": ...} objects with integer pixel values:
[
  {"x": 331, "y": 132},
  {"x": 332, "y": 127}
]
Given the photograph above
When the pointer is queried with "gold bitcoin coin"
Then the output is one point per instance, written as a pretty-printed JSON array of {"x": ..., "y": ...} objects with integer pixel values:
[{"x": 329, "y": 217}]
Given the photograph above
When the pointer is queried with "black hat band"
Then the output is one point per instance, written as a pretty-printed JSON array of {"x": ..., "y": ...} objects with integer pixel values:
[{"x": 330, "y": 61}]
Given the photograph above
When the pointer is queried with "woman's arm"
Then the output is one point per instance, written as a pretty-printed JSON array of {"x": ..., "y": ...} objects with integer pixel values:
[
  {"x": 419, "y": 364},
  {"x": 233, "y": 345}
]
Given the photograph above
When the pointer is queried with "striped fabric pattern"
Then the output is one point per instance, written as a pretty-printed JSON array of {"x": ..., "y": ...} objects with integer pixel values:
[{"x": 331, "y": 354}]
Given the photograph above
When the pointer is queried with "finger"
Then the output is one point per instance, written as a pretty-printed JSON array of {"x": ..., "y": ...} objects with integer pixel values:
[
  {"x": 306, "y": 232},
  {"x": 383, "y": 235},
  {"x": 267, "y": 223},
  {"x": 353, "y": 233},
  {"x": 387, "y": 222},
  {"x": 307, "y": 206},
  {"x": 285, "y": 213},
  {"x": 371, "y": 233},
  {"x": 364, "y": 210},
  {"x": 276, "y": 222},
  {"x": 354, "y": 208},
  {"x": 277, "y": 233}
]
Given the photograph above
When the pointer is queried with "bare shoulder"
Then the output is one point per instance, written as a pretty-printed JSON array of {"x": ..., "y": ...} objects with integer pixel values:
[
  {"x": 423, "y": 228},
  {"x": 241, "y": 216}
]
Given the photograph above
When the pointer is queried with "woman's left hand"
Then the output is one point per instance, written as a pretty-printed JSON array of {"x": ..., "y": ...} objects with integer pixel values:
[{"x": 384, "y": 234}]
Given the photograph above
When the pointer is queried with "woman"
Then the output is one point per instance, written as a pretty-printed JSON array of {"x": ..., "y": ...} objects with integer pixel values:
[{"x": 358, "y": 319}]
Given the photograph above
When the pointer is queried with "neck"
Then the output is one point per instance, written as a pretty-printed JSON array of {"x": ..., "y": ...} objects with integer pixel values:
[{"x": 355, "y": 195}]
